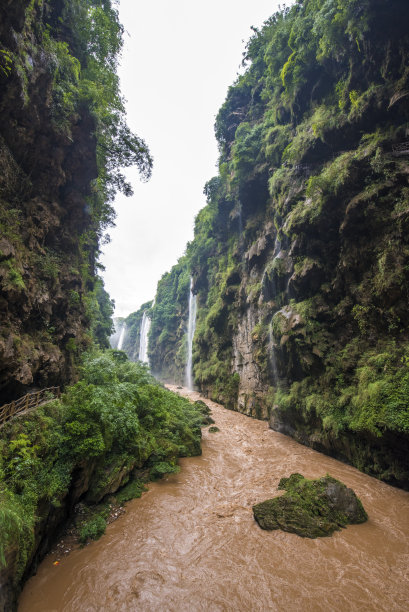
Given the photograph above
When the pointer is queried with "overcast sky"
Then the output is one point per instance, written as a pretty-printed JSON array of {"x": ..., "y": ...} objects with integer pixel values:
[{"x": 179, "y": 58}]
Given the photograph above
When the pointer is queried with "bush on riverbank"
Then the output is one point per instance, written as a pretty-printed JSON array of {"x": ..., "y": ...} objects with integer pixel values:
[{"x": 115, "y": 420}]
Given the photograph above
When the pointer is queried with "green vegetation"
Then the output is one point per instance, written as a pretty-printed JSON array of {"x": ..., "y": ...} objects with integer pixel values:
[
  {"x": 64, "y": 143},
  {"x": 90, "y": 520},
  {"x": 167, "y": 339},
  {"x": 116, "y": 420},
  {"x": 204, "y": 411},
  {"x": 373, "y": 400},
  {"x": 300, "y": 259},
  {"x": 310, "y": 508},
  {"x": 93, "y": 529}
]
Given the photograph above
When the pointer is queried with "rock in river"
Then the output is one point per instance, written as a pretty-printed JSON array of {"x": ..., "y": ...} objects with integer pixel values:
[{"x": 310, "y": 508}]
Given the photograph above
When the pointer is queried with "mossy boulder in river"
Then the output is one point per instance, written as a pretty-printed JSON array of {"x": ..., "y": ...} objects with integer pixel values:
[
  {"x": 310, "y": 508},
  {"x": 205, "y": 411}
]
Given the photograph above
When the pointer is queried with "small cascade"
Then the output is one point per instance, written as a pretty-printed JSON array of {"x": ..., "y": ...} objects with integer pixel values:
[
  {"x": 277, "y": 246},
  {"x": 190, "y": 333},
  {"x": 241, "y": 238},
  {"x": 144, "y": 339},
  {"x": 240, "y": 211},
  {"x": 121, "y": 338},
  {"x": 273, "y": 358}
]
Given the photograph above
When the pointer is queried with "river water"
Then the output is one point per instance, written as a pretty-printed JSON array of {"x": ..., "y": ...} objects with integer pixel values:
[{"x": 191, "y": 543}]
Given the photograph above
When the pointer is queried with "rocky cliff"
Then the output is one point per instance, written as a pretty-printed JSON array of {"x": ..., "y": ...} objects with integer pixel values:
[
  {"x": 62, "y": 137},
  {"x": 300, "y": 259}
]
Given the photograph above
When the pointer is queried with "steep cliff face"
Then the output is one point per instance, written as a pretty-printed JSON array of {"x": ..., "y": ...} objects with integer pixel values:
[
  {"x": 62, "y": 138},
  {"x": 45, "y": 177},
  {"x": 167, "y": 347},
  {"x": 300, "y": 259}
]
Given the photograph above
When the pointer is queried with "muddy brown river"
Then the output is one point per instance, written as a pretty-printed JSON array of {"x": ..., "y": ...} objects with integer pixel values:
[{"x": 191, "y": 543}]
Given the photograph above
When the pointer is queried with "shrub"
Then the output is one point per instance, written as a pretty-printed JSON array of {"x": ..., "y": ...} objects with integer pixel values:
[{"x": 92, "y": 529}]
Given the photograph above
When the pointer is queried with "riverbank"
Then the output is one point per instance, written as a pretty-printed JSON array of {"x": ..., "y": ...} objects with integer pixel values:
[
  {"x": 191, "y": 543},
  {"x": 77, "y": 459}
]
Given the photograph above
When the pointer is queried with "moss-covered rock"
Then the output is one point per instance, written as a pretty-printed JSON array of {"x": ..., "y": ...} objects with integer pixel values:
[
  {"x": 310, "y": 508},
  {"x": 205, "y": 411}
]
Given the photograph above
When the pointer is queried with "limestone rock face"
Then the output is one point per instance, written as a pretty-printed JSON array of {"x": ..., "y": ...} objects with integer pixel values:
[
  {"x": 45, "y": 175},
  {"x": 251, "y": 386},
  {"x": 300, "y": 260},
  {"x": 310, "y": 508}
]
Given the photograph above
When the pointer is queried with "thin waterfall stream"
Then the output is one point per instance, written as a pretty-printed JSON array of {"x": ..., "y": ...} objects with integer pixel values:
[
  {"x": 121, "y": 338},
  {"x": 190, "y": 334},
  {"x": 144, "y": 338},
  {"x": 191, "y": 544},
  {"x": 273, "y": 358}
]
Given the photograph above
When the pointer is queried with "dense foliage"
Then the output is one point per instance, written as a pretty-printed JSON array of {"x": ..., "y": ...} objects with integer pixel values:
[
  {"x": 168, "y": 333},
  {"x": 114, "y": 421},
  {"x": 64, "y": 143},
  {"x": 84, "y": 38},
  {"x": 300, "y": 259}
]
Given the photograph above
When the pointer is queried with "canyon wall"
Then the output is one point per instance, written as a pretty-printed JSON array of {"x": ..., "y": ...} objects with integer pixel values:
[
  {"x": 300, "y": 259},
  {"x": 63, "y": 140}
]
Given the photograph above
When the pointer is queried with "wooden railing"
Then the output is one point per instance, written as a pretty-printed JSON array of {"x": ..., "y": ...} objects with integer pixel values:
[{"x": 29, "y": 401}]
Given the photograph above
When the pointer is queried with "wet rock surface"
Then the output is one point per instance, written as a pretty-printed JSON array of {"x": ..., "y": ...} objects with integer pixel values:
[
  {"x": 310, "y": 508},
  {"x": 45, "y": 176}
]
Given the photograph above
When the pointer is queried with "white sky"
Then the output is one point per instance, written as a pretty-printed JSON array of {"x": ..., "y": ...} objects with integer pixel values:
[{"x": 179, "y": 58}]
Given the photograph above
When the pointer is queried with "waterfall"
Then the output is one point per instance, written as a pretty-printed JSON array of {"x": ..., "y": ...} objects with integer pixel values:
[
  {"x": 273, "y": 359},
  {"x": 240, "y": 221},
  {"x": 241, "y": 238},
  {"x": 143, "y": 340},
  {"x": 121, "y": 338},
  {"x": 190, "y": 333},
  {"x": 117, "y": 338}
]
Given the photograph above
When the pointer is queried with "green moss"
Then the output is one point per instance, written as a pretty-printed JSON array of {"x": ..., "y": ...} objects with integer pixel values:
[
  {"x": 14, "y": 273},
  {"x": 132, "y": 490},
  {"x": 162, "y": 468},
  {"x": 310, "y": 508},
  {"x": 92, "y": 529}
]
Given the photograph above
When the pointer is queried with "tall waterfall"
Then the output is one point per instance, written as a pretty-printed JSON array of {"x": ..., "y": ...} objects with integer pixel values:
[
  {"x": 143, "y": 340},
  {"x": 190, "y": 333},
  {"x": 121, "y": 338}
]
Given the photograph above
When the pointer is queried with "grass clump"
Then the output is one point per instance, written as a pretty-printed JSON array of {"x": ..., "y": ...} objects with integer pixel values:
[
  {"x": 92, "y": 529},
  {"x": 132, "y": 490}
]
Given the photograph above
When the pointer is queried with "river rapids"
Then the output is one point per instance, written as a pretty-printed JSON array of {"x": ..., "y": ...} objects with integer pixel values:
[{"x": 191, "y": 543}]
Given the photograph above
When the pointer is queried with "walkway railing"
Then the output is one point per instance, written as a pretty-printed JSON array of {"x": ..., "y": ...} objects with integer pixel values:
[{"x": 29, "y": 401}]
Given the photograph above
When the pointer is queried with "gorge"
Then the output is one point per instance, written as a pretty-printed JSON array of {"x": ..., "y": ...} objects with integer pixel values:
[
  {"x": 300, "y": 258},
  {"x": 192, "y": 543},
  {"x": 287, "y": 314}
]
